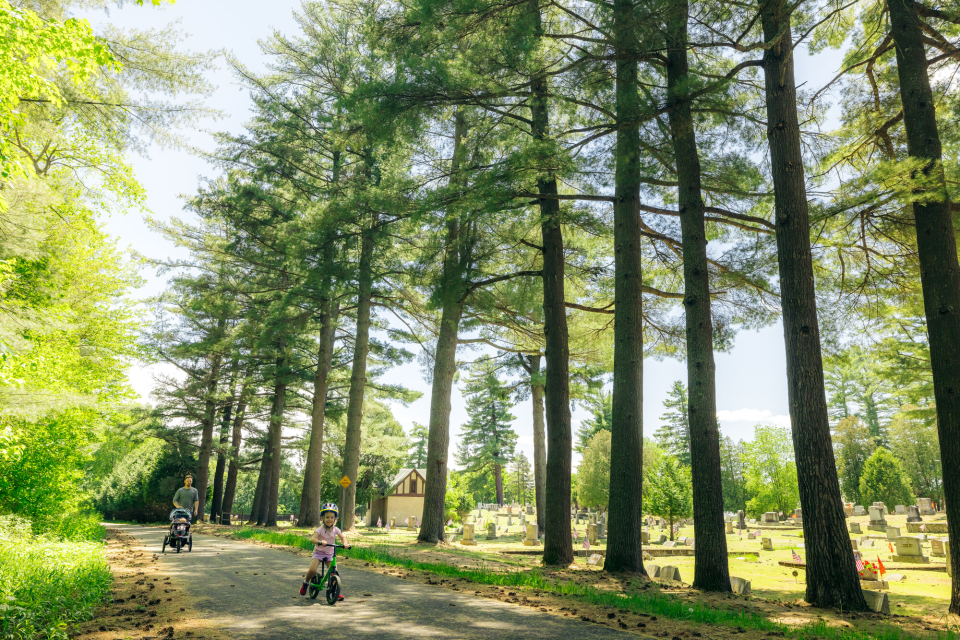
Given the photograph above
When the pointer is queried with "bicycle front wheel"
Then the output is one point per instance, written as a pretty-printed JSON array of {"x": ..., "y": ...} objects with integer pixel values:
[{"x": 333, "y": 590}]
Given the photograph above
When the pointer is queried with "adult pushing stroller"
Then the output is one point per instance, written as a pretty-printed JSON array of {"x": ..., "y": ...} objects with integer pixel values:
[{"x": 179, "y": 535}]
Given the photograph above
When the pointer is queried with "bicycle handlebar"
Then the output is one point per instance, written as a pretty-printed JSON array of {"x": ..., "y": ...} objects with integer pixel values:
[{"x": 335, "y": 546}]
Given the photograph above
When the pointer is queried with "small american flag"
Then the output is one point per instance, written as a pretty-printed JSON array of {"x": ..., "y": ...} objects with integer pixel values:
[
  {"x": 449, "y": 522},
  {"x": 406, "y": 520},
  {"x": 859, "y": 561},
  {"x": 796, "y": 557},
  {"x": 417, "y": 522},
  {"x": 379, "y": 523},
  {"x": 586, "y": 543},
  {"x": 387, "y": 529},
  {"x": 923, "y": 527},
  {"x": 575, "y": 534}
]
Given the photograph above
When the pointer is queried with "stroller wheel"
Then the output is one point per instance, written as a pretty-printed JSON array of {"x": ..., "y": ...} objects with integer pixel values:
[
  {"x": 190, "y": 543},
  {"x": 164, "y": 548}
]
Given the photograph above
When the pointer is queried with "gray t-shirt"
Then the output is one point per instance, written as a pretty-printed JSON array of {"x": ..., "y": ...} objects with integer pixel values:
[{"x": 186, "y": 497}]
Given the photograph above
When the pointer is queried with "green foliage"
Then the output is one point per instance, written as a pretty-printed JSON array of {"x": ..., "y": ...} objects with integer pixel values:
[
  {"x": 915, "y": 442},
  {"x": 140, "y": 487},
  {"x": 418, "y": 452},
  {"x": 884, "y": 480},
  {"x": 47, "y": 584},
  {"x": 670, "y": 493},
  {"x": 673, "y": 436},
  {"x": 519, "y": 480},
  {"x": 459, "y": 498},
  {"x": 487, "y": 441},
  {"x": 593, "y": 474},
  {"x": 734, "y": 474},
  {"x": 772, "y": 471},
  {"x": 600, "y": 404},
  {"x": 855, "y": 444}
]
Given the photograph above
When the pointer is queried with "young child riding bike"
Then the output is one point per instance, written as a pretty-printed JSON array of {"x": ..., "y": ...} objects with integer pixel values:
[{"x": 325, "y": 535}]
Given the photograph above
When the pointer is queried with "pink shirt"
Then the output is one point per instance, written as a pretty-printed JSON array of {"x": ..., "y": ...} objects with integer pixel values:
[{"x": 330, "y": 537}]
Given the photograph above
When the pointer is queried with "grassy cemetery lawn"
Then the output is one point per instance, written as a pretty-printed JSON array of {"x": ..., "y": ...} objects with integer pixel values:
[{"x": 918, "y": 593}]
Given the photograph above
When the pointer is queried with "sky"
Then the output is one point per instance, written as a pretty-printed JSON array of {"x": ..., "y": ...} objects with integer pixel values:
[{"x": 751, "y": 378}]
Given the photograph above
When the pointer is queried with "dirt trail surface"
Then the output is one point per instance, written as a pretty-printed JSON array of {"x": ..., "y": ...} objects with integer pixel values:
[{"x": 250, "y": 591}]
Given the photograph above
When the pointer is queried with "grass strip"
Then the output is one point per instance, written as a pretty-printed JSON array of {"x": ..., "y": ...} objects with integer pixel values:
[
  {"x": 47, "y": 585},
  {"x": 653, "y": 602}
]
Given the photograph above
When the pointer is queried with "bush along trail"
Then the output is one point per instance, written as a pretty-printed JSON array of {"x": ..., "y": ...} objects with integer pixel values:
[
  {"x": 47, "y": 583},
  {"x": 633, "y": 604}
]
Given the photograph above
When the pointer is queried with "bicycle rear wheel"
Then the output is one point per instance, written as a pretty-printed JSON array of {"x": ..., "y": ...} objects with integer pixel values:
[{"x": 333, "y": 590}]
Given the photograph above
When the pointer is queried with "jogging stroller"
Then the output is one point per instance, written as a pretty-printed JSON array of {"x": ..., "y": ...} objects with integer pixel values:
[{"x": 179, "y": 535}]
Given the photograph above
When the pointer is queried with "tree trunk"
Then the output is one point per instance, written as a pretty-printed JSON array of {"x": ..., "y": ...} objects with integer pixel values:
[
  {"x": 445, "y": 359},
  {"x": 498, "y": 482},
  {"x": 262, "y": 482},
  {"x": 624, "y": 551},
  {"x": 217, "y": 501},
  {"x": 310, "y": 501},
  {"x": 233, "y": 469},
  {"x": 358, "y": 381},
  {"x": 832, "y": 579},
  {"x": 270, "y": 500},
  {"x": 937, "y": 250},
  {"x": 539, "y": 441},
  {"x": 711, "y": 572},
  {"x": 206, "y": 439}
]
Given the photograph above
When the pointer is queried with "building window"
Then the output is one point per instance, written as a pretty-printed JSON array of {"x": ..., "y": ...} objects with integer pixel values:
[{"x": 413, "y": 484}]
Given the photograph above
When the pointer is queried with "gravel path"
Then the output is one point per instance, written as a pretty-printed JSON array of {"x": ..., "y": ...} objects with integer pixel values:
[{"x": 251, "y": 592}]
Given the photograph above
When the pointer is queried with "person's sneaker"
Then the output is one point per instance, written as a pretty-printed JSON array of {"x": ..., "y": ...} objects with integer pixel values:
[
  {"x": 303, "y": 589},
  {"x": 340, "y": 598}
]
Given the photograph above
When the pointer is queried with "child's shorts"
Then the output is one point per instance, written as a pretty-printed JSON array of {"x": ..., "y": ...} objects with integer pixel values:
[{"x": 323, "y": 553}]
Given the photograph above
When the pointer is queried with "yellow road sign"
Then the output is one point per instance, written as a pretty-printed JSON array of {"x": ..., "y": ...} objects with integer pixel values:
[{"x": 344, "y": 482}]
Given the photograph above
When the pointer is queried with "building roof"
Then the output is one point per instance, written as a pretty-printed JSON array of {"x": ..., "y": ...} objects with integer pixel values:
[{"x": 403, "y": 473}]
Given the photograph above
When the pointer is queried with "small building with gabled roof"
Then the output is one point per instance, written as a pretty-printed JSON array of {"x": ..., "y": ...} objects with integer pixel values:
[{"x": 403, "y": 499}]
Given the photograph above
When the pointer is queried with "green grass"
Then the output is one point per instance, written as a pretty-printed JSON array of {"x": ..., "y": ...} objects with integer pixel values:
[
  {"x": 47, "y": 584},
  {"x": 652, "y": 602}
]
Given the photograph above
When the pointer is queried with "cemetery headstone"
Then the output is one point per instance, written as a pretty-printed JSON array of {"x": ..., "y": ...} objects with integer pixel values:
[
  {"x": 926, "y": 507},
  {"x": 729, "y": 527},
  {"x": 853, "y": 544},
  {"x": 770, "y": 517},
  {"x": 601, "y": 530},
  {"x": 653, "y": 570},
  {"x": 893, "y": 533},
  {"x": 509, "y": 521},
  {"x": 594, "y": 559},
  {"x": 645, "y": 537},
  {"x": 531, "y": 537},
  {"x": 913, "y": 514},
  {"x": 741, "y": 520},
  {"x": 753, "y": 521},
  {"x": 877, "y": 521},
  {"x": 936, "y": 547},
  {"x": 670, "y": 572},
  {"x": 491, "y": 531},
  {"x": 767, "y": 544},
  {"x": 393, "y": 523},
  {"x": 468, "y": 535},
  {"x": 859, "y": 510},
  {"x": 866, "y": 543},
  {"x": 670, "y": 544},
  {"x": 412, "y": 523},
  {"x": 592, "y": 533},
  {"x": 878, "y": 601},
  {"x": 901, "y": 511},
  {"x": 740, "y": 586},
  {"x": 855, "y": 527},
  {"x": 529, "y": 509},
  {"x": 909, "y": 550},
  {"x": 663, "y": 538}
]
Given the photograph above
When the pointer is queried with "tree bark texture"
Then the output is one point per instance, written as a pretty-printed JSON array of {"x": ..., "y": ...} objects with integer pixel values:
[
  {"x": 263, "y": 482},
  {"x": 270, "y": 501},
  {"x": 832, "y": 579},
  {"x": 209, "y": 419},
  {"x": 937, "y": 250},
  {"x": 358, "y": 381},
  {"x": 445, "y": 358},
  {"x": 310, "y": 501},
  {"x": 539, "y": 440},
  {"x": 558, "y": 545},
  {"x": 624, "y": 547},
  {"x": 711, "y": 571},
  {"x": 498, "y": 482},
  {"x": 230, "y": 490},
  {"x": 216, "y": 503}
]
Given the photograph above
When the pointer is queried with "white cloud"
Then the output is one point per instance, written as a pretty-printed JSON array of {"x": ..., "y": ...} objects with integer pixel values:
[{"x": 753, "y": 416}]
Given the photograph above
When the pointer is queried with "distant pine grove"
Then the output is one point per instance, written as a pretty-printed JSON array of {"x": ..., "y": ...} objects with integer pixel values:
[{"x": 529, "y": 199}]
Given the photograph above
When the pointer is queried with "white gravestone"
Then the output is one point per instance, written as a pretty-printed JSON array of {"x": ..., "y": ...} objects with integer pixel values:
[{"x": 909, "y": 550}]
